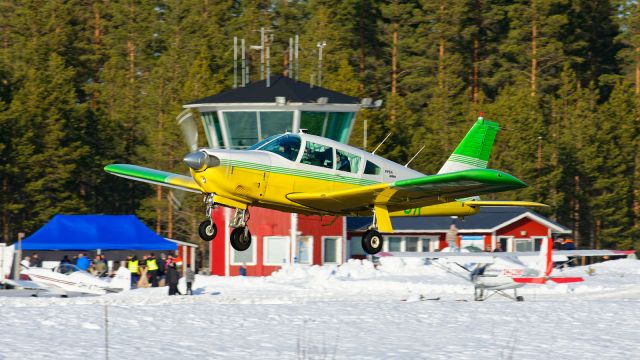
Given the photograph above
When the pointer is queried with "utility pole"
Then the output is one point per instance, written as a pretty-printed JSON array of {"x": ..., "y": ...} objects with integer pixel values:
[
  {"x": 539, "y": 163},
  {"x": 18, "y": 257}
]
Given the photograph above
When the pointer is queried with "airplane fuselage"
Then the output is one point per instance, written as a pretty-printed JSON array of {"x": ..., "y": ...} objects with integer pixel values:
[{"x": 265, "y": 178}]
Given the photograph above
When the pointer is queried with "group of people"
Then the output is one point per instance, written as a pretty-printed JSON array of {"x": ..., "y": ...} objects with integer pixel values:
[{"x": 155, "y": 272}]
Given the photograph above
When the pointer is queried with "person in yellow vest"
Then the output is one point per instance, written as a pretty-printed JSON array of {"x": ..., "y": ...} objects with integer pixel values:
[
  {"x": 152, "y": 270},
  {"x": 133, "y": 266}
]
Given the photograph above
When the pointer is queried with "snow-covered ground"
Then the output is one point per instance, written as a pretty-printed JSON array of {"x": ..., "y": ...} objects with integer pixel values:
[{"x": 349, "y": 312}]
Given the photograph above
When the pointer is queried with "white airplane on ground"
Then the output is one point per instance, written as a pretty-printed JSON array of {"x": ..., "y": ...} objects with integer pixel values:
[
  {"x": 495, "y": 272},
  {"x": 69, "y": 279}
]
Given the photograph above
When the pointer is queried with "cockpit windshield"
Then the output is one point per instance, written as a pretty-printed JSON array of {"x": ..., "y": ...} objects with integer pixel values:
[
  {"x": 287, "y": 146},
  {"x": 263, "y": 141}
]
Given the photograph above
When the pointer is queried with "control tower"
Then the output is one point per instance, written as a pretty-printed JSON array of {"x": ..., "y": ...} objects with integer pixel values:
[{"x": 240, "y": 117}]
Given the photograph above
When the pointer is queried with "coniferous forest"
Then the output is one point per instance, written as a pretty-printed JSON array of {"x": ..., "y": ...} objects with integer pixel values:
[{"x": 87, "y": 83}]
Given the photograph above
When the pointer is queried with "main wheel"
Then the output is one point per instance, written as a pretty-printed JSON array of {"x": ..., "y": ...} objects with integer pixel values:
[
  {"x": 207, "y": 230},
  {"x": 372, "y": 242},
  {"x": 239, "y": 240}
]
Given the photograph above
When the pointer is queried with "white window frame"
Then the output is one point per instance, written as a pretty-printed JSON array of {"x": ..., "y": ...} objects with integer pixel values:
[
  {"x": 254, "y": 255},
  {"x": 385, "y": 243},
  {"x": 530, "y": 240},
  {"x": 536, "y": 238},
  {"x": 310, "y": 249},
  {"x": 339, "y": 257},
  {"x": 265, "y": 250},
  {"x": 433, "y": 242}
]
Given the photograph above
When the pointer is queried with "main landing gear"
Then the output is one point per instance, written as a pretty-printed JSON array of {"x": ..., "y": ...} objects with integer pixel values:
[
  {"x": 240, "y": 235},
  {"x": 372, "y": 239}
]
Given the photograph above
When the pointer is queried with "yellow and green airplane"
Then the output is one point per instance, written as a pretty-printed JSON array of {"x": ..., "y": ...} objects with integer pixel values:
[{"x": 312, "y": 175}]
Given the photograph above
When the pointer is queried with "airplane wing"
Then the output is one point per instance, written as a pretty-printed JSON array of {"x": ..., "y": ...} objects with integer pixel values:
[
  {"x": 406, "y": 194},
  {"x": 25, "y": 284},
  {"x": 412, "y": 193},
  {"x": 458, "y": 257},
  {"x": 153, "y": 176}
]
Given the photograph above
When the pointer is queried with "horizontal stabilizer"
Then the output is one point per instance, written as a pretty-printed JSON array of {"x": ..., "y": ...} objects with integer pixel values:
[
  {"x": 530, "y": 280},
  {"x": 564, "y": 280}
]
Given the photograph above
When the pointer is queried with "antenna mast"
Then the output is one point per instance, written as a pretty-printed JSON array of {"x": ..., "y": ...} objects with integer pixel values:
[
  {"x": 297, "y": 73},
  {"x": 290, "y": 67},
  {"x": 321, "y": 45},
  {"x": 235, "y": 62},
  {"x": 245, "y": 70},
  {"x": 382, "y": 142},
  {"x": 414, "y": 156}
]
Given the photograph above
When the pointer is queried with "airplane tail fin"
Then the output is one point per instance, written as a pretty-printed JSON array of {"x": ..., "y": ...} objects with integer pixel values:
[
  {"x": 544, "y": 266},
  {"x": 122, "y": 280},
  {"x": 474, "y": 150}
]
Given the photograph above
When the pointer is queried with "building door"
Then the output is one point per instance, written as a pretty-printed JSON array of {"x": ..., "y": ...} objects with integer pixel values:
[{"x": 305, "y": 250}]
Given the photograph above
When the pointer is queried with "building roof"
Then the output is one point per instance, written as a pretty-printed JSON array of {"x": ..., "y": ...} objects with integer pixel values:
[
  {"x": 487, "y": 220},
  {"x": 293, "y": 91}
]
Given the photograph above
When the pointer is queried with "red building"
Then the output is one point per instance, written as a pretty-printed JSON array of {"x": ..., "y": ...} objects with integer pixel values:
[
  {"x": 515, "y": 228},
  {"x": 318, "y": 241}
]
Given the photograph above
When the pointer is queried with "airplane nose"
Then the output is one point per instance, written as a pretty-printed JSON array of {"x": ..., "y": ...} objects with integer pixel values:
[{"x": 199, "y": 160}]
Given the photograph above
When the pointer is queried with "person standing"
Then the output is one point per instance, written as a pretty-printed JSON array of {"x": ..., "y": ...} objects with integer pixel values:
[
  {"x": 152, "y": 270},
  {"x": 173, "y": 276},
  {"x": 190, "y": 277},
  {"x": 132, "y": 265},
  {"x": 36, "y": 261},
  {"x": 83, "y": 262},
  {"x": 162, "y": 268},
  {"x": 452, "y": 237}
]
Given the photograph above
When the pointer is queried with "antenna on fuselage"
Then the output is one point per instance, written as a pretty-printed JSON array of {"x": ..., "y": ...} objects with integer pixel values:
[
  {"x": 382, "y": 142},
  {"x": 414, "y": 156}
]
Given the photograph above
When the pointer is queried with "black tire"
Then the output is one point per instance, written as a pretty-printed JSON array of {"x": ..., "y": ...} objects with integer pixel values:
[
  {"x": 372, "y": 242},
  {"x": 519, "y": 298},
  {"x": 239, "y": 241},
  {"x": 207, "y": 230}
]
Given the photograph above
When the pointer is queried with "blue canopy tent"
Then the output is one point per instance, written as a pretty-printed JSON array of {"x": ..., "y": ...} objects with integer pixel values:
[{"x": 93, "y": 232}]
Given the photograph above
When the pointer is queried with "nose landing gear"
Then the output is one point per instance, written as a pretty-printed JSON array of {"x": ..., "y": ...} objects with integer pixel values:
[{"x": 208, "y": 229}]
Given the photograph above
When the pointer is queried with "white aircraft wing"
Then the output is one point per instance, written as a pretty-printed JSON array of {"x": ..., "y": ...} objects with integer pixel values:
[
  {"x": 25, "y": 284},
  {"x": 459, "y": 257}
]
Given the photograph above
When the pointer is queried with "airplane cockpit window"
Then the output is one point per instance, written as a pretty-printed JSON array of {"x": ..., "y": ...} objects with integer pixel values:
[
  {"x": 287, "y": 146},
  {"x": 347, "y": 162},
  {"x": 371, "y": 168},
  {"x": 318, "y": 155},
  {"x": 263, "y": 141}
]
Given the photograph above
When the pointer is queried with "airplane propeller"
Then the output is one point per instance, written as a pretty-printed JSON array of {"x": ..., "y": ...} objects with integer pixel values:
[{"x": 189, "y": 129}]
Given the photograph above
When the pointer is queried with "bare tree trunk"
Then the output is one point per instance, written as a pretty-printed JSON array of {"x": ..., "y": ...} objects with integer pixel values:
[
  {"x": 158, "y": 209},
  {"x": 441, "y": 54},
  {"x": 5, "y": 212},
  {"x": 476, "y": 80},
  {"x": 169, "y": 215},
  {"x": 362, "y": 59},
  {"x": 534, "y": 51},
  {"x": 576, "y": 211}
]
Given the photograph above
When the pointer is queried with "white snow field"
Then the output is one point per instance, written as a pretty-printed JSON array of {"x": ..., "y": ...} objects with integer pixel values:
[{"x": 349, "y": 312}]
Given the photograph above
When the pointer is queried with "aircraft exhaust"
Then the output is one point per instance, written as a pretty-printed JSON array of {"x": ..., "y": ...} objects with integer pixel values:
[{"x": 199, "y": 160}]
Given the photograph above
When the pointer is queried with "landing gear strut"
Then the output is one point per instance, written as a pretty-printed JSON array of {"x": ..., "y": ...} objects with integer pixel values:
[
  {"x": 372, "y": 239},
  {"x": 240, "y": 236},
  {"x": 208, "y": 229}
]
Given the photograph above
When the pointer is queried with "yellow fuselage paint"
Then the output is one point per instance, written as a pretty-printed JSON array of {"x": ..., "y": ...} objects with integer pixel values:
[{"x": 240, "y": 187}]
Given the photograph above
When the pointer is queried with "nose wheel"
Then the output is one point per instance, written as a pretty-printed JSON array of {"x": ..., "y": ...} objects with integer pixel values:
[
  {"x": 207, "y": 230},
  {"x": 240, "y": 238}
]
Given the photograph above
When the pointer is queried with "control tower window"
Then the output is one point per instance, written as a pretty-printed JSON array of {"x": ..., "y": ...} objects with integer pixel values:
[
  {"x": 332, "y": 125},
  {"x": 318, "y": 155},
  {"x": 242, "y": 128},
  {"x": 347, "y": 162},
  {"x": 275, "y": 122},
  {"x": 287, "y": 146},
  {"x": 371, "y": 168}
]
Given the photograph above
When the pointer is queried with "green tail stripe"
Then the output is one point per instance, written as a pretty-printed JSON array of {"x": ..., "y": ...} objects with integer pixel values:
[{"x": 479, "y": 140}]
